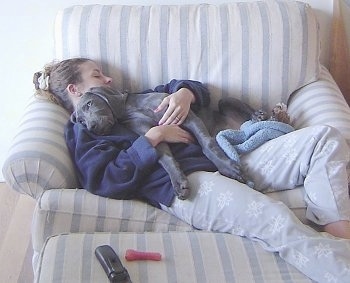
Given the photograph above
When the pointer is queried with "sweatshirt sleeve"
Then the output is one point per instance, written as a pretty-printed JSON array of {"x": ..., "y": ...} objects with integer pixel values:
[
  {"x": 199, "y": 90},
  {"x": 107, "y": 166}
]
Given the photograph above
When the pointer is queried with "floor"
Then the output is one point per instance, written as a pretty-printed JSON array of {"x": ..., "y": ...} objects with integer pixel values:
[{"x": 16, "y": 212}]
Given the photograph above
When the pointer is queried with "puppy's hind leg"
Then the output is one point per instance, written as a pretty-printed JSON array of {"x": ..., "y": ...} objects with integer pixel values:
[
  {"x": 212, "y": 150},
  {"x": 177, "y": 177}
]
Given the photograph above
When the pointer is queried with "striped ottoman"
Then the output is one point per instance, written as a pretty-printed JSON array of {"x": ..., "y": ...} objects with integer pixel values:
[{"x": 186, "y": 257}]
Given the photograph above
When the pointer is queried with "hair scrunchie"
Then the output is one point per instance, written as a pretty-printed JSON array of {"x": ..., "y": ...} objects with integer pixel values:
[{"x": 43, "y": 81}]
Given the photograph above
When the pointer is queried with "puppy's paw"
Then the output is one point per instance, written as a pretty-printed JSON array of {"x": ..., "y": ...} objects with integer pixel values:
[
  {"x": 184, "y": 194},
  {"x": 182, "y": 189},
  {"x": 259, "y": 115},
  {"x": 235, "y": 172}
]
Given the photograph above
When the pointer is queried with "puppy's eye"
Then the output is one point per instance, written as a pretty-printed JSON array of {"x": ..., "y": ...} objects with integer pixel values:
[{"x": 87, "y": 105}]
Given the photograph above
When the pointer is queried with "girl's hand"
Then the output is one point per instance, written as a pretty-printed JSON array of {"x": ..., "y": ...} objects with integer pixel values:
[
  {"x": 178, "y": 104},
  {"x": 168, "y": 133}
]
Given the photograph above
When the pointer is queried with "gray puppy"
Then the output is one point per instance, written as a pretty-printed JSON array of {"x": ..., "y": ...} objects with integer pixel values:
[{"x": 100, "y": 108}]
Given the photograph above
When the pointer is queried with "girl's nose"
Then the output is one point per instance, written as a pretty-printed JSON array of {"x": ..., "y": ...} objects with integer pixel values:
[{"x": 108, "y": 80}]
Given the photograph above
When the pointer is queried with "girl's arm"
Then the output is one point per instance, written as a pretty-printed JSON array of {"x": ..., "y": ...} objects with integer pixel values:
[
  {"x": 116, "y": 166},
  {"x": 184, "y": 94},
  {"x": 110, "y": 166}
]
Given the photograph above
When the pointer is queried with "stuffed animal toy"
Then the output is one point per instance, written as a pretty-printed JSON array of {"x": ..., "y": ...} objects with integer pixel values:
[{"x": 254, "y": 132}]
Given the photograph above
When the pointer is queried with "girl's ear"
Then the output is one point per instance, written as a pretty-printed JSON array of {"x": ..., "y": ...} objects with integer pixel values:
[{"x": 73, "y": 90}]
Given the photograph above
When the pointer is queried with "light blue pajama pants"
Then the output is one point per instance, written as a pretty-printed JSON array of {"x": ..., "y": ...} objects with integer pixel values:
[{"x": 316, "y": 156}]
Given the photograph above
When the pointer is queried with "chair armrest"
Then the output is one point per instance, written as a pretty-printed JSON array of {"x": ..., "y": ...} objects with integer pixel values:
[
  {"x": 320, "y": 103},
  {"x": 38, "y": 158}
]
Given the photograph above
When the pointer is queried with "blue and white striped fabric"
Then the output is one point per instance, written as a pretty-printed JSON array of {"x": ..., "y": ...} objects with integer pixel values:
[
  {"x": 260, "y": 51},
  {"x": 186, "y": 257},
  {"x": 38, "y": 158},
  {"x": 320, "y": 103}
]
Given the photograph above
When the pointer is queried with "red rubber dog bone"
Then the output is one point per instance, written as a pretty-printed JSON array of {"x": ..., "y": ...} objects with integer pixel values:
[{"x": 137, "y": 255}]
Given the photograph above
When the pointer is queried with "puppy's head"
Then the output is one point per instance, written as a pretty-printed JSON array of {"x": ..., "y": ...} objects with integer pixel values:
[
  {"x": 259, "y": 115},
  {"x": 94, "y": 112}
]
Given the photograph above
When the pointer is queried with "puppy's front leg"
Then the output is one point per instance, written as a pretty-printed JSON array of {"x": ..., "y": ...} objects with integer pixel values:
[{"x": 177, "y": 177}]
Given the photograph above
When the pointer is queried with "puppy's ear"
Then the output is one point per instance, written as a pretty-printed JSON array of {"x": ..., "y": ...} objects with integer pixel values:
[
  {"x": 115, "y": 99},
  {"x": 230, "y": 106},
  {"x": 76, "y": 119},
  {"x": 117, "y": 104},
  {"x": 73, "y": 118}
]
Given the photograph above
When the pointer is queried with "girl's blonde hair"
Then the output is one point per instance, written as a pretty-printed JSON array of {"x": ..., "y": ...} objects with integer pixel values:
[{"x": 53, "y": 80}]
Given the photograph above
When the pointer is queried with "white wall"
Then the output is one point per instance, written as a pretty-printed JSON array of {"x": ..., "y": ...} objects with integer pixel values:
[{"x": 27, "y": 44}]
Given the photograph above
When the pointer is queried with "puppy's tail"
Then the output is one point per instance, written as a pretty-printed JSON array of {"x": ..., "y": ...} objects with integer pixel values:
[{"x": 230, "y": 107}]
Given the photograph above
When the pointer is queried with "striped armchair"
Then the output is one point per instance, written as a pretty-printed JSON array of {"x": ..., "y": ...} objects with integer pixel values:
[{"x": 261, "y": 52}]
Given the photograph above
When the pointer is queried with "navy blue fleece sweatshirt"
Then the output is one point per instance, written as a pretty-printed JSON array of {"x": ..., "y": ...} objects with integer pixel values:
[{"x": 124, "y": 165}]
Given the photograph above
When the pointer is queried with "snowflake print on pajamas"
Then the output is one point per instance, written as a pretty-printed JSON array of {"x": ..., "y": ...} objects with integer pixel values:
[
  {"x": 300, "y": 259},
  {"x": 290, "y": 142},
  {"x": 267, "y": 167},
  {"x": 205, "y": 188},
  {"x": 266, "y": 148},
  {"x": 330, "y": 277},
  {"x": 323, "y": 250},
  {"x": 224, "y": 199},
  {"x": 277, "y": 223},
  {"x": 255, "y": 209},
  {"x": 179, "y": 204},
  {"x": 290, "y": 156},
  {"x": 346, "y": 267}
]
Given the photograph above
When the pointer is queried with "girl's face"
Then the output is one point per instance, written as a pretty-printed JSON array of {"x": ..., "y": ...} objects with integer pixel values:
[{"x": 92, "y": 76}]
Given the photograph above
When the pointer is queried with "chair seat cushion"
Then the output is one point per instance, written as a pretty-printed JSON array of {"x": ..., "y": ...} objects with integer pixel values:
[{"x": 186, "y": 257}]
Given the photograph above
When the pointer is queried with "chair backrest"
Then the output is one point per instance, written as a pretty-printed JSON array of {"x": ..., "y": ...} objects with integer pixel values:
[{"x": 258, "y": 51}]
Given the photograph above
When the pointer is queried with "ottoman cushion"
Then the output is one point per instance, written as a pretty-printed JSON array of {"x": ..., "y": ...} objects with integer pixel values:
[{"x": 186, "y": 257}]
